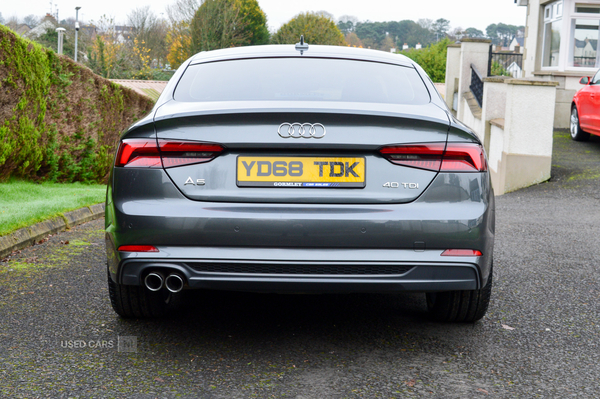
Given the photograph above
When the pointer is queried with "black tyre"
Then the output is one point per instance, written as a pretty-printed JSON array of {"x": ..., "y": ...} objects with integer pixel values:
[
  {"x": 133, "y": 301},
  {"x": 576, "y": 133},
  {"x": 460, "y": 306}
]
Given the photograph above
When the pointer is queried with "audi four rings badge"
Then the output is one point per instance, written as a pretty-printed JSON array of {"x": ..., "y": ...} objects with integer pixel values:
[{"x": 304, "y": 130}]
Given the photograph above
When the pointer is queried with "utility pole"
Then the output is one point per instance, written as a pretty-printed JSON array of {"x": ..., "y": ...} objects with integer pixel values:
[{"x": 76, "y": 29}]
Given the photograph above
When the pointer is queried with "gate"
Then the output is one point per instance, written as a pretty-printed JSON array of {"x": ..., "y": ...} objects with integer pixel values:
[{"x": 505, "y": 64}]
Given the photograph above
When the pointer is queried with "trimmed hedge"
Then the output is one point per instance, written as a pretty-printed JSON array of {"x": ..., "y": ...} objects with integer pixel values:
[{"x": 58, "y": 120}]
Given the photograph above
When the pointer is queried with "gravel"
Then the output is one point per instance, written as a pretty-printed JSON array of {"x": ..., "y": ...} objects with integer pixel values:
[{"x": 60, "y": 338}]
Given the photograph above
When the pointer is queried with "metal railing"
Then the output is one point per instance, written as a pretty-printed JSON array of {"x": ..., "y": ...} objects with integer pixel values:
[
  {"x": 588, "y": 62},
  {"x": 506, "y": 64},
  {"x": 476, "y": 85}
]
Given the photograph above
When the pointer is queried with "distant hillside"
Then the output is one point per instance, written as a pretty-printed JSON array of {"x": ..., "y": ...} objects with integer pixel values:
[{"x": 58, "y": 120}]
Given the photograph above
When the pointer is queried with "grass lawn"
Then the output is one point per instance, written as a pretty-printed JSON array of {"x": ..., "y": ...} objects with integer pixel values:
[{"x": 25, "y": 203}]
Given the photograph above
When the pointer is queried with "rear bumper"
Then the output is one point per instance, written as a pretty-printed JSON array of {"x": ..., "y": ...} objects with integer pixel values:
[
  {"x": 305, "y": 270},
  {"x": 203, "y": 241}
]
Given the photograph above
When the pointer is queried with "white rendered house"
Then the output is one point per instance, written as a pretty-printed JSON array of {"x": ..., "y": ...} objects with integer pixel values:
[{"x": 561, "y": 44}]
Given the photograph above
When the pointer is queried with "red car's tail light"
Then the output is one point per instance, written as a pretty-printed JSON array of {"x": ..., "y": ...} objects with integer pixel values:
[
  {"x": 461, "y": 252},
  {"x": 453, "y": 157},
  {"x": 148, "y": 153},
  {"x": 138, "y": 248},
  {"x": 178, "y": 153},
  {"x": 138, "y": 153}
]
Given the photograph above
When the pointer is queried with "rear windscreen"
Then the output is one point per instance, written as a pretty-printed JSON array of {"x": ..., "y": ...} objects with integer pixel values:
[{"x": 301, "y": 79}]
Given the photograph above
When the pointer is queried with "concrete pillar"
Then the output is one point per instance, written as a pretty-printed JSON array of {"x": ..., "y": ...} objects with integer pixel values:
[
  {"x": 494, "y": 105},
  {"x": 476, "y": 52},
  {"x": 526, "y": 157},
  {"x": 452, "y": 75}
]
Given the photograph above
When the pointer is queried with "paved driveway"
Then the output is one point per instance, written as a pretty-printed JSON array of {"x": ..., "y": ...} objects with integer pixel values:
[{"x": 59, "y": 337}]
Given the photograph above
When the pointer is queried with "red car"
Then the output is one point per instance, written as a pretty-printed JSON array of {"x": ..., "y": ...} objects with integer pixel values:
[{"x": 585, "y": 110}]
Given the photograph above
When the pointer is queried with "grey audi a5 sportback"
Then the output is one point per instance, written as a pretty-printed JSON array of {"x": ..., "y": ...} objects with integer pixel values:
[{"x": 300, "y": 169}]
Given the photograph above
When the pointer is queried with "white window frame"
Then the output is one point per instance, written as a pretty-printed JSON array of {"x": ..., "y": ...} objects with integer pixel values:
[
  {"x": 553, "y": 12},
  {"x": 569, "y": 27}
]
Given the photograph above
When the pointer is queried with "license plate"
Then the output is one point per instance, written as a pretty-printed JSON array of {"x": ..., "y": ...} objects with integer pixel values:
[{"x": 301, "y": 172}]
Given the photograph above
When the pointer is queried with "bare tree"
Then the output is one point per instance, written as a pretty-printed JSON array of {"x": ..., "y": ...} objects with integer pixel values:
[
  {"x": 31, "y": 20},
  {"x": 457, "y": 33},
  {"x": 325, "y": 14},
  {"x": 141, "y": 19},
  {"x": 12, "y": 23},
  {"x": 179, "y": 36},
  {"x": 425, "y": 23},
  {"x": 217, "y": 24},
  {"x": 150, "y": 33},
  {"x": 183, "y": 11},
  {"x": 348, "y": 18}
]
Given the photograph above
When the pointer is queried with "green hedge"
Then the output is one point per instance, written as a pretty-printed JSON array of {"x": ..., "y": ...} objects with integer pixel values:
[{"x": 58, "y": 120}]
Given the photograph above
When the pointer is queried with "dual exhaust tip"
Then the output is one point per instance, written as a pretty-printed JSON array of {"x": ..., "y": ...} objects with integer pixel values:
[{"x": 154, "y": 282}]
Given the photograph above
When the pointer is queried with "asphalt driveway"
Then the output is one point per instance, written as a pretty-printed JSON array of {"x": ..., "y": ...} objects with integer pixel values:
[{"x": 541, "y": 337}]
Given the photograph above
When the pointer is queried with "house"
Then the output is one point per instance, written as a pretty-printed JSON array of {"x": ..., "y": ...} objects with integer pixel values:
[
  {"x": 49, "y": 22},
  {"x": 124, "y": 33},
  {"x": 561, "y": 44},
  {"x": 21, "y": 29},
  {"x": 515, "y": 70},
  {"x": 516, "y": 45},
  {"x": 89, "y": 30}
]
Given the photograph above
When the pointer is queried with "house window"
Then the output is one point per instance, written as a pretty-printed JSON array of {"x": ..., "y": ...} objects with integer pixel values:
[
  {"x": 552, "y": 26},
  {"x": 584, "y": 36},
  {"x": 586, "y": 33},
  {"x": 587, "y": 8}
]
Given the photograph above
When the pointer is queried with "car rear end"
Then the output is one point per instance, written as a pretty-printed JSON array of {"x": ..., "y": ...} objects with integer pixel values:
[{"x": 267, "y": 170}]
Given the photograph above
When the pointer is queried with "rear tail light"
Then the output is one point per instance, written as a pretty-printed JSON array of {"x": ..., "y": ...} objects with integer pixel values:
[
  {"x": 461, "y": 252},
  {"x": 138, "y": 153},
  {"x": 138, "y": 248},
  {"x": 464, "y": 158},
  {"x": 453, "y": 157},
  {"x": 150, "y": 153},
  {"x": 178, "y": 153},
  {"x": 422, "y": 156}
]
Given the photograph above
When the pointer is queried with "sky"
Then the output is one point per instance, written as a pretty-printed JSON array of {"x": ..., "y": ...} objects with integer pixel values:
[{"x": 461, "y": 13}]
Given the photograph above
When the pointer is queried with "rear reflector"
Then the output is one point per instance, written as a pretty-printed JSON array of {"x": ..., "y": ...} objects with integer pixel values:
[
  {"x": 146, "y": 153},
  {"x": 453, "y": 157},
  {"x": 461, "y": 252},
  {"x": 138, "y": 248}
]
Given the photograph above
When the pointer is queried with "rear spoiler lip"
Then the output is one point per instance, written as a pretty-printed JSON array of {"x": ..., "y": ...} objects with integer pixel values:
[{"x": 175, "y": 109}]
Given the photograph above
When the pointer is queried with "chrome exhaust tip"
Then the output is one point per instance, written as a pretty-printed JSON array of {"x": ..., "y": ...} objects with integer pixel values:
[
  {"x": 154, "y": 281},
  {"x": 174, "y": 283}
]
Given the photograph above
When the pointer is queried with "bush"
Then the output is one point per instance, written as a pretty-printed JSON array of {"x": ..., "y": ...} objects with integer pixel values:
[
  {"x": 432, "y": 59},
  {"x": 499, "y": 70},
  {"x": 58, "y": 121}
]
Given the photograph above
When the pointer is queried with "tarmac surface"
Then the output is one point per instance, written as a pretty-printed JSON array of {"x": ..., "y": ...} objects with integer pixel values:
[{"x": 60, "y": 338}]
